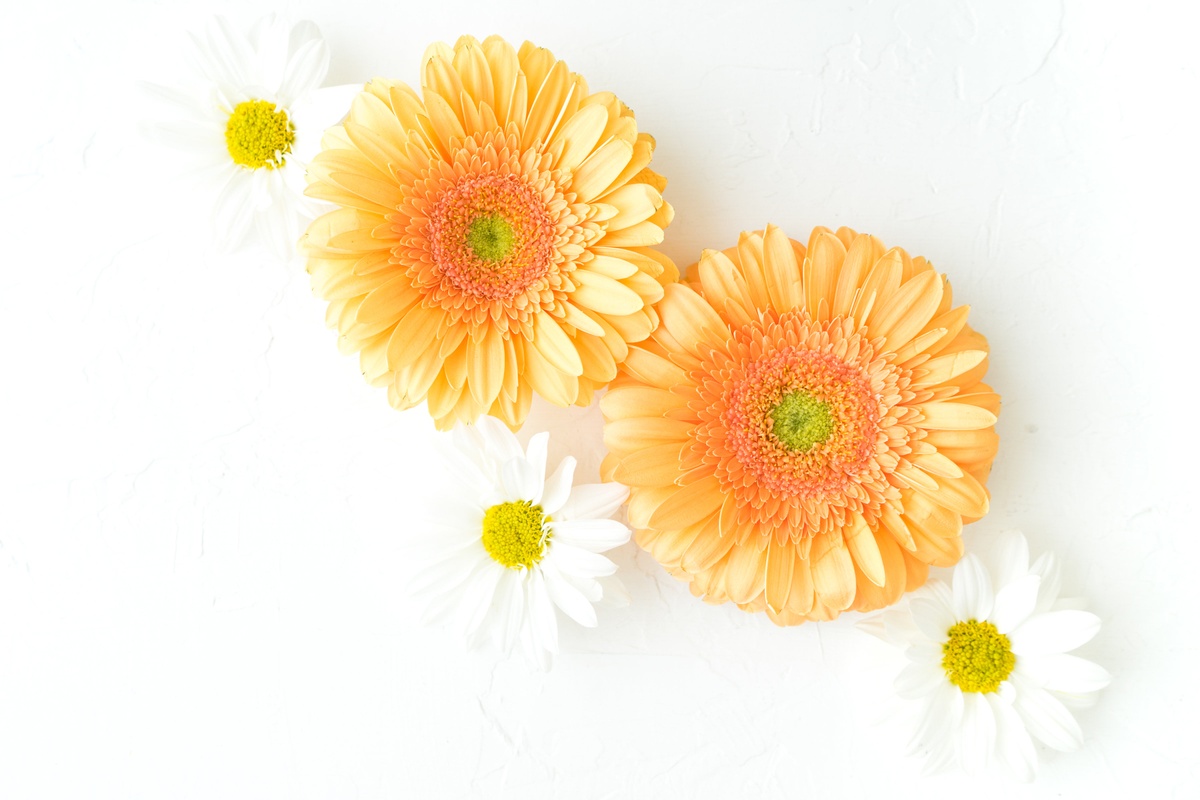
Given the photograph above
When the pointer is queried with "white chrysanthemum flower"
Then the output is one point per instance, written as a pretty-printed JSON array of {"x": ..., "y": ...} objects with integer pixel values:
[
  {"x": 991, "y": 666},
  {"x": 252, "y": 121},
  {"x": 519, "y": 544}
]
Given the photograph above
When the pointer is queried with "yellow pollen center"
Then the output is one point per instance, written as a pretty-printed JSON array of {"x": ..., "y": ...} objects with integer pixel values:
[
  {"x": 259, "y": 135},
  {"x": 977, "y": 657},
  {"x": 490, "y": 238},
  {"x": 801, "y": 421},
  {"x": 514, "y": 533}
]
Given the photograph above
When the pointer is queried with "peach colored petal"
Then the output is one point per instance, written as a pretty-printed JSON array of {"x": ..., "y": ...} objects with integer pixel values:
[
  {"x": 561, "y": 181},
  {"x": 886, "y": 437}
]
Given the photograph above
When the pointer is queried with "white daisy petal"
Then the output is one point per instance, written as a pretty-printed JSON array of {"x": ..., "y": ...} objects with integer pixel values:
[
  {"x": 1046, "y": 566},
  {"x": 172, "y": 95},
  {"x": 500, "y": 571},
  {"x": 233, "y": 214},
  {"x": 919, "y": 679},
  {"x": 269, "y": 37},
  {"x": 537, "y": 651},
  {"x": 519, "y": 480},
  {"x": 932, "y": 618},
  {"x": 444, "y": 603},
  {"x": 462, "y": 459},
  {"x": 1054, "y": 632},
  {"x": 1060, "y": 672},
  {"x": 943, "y": 712},
  {"x": 237, "y": 74},
  {"x": 510, "y": 596},
  {"x": 302, "y": 33},
  {"x": 479, "y": 595},
  {"x": 972, "y": 589},
  {"x": 569, "y": 600},
  {"x": 276, "y": 227},
  {"x": 1015, "y": 602},
  {"x": 440, "y": 550},
  {"x": 939, "y": 591},
  {"x": 535, "y": 454},
  {"x": 224, "y": 54},
  {"x": 574, "y": 560},
  {"x": 941, "y": 757},
  {"x": 305, "y": 71},
  {"x": 978, "y": 733},
  {"x": 543, "y": 622},
  {"x": 1045, "y": 717},
  {"x": 1078, "y": 702},
  {"x": 1013, "y": 680},
  {"x": 593, "y": 500},
  {"x": 591, "y": 588},
  {"x": 613, "y": 593},
  {"x": 925, "y": 650},
  {"x": 1013, "y": 744},
  {"x": 558, "y": 487},
  {"x": 497, "y": 440},
  {"x": 464, "y": 515},
  {"x": 185, "y": 136},
  {"x": 597, "y": 535},
  {"x": 448, "y": 574},
  {"x": 1011, "y": 557}
]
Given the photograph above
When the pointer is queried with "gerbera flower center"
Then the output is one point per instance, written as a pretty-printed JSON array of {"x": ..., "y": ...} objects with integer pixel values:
[
  {"x": 801, "y": 421},
  {"x": 514, "y": 533},
  {"x": 977, "y": 657},
  {"x": 490, "y": 237},
  {"x": 259, "y": 134}
]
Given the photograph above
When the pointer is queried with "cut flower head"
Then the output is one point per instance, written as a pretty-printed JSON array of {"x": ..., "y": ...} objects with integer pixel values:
[
  {"x": 807, "y": 431},
  {"x": 988, "y": 659},
  {"x": 494, "y": 236},
  {"x": 517, "y": 544},
  {"x": 251, "y": 121}
]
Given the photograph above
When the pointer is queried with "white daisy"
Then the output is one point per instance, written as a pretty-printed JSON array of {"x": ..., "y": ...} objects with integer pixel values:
[
  {"x": 991, "y": 667},
  {"x": 519, "y": 544},
  {"x": 252, "y": 121}
]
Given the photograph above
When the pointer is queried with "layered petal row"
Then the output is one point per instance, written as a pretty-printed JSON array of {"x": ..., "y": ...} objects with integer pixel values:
[
  {"x": 494, "y": 233},
  {"x": 808, "y": 429}
]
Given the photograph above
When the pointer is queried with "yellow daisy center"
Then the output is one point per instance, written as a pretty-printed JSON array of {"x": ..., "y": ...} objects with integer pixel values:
[
  {"x": 801, "y": 421},
  {"x": 977, "y": 657},
  {"x": 514, "y": 533},
  {"x": 490, "y": 238},
  {"x": 258, "y": 134}
]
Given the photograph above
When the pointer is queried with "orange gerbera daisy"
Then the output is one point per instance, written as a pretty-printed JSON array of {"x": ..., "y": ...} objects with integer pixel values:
[
  {"x": 807, "y": 431},
  {"x": 494, "y": 236}
]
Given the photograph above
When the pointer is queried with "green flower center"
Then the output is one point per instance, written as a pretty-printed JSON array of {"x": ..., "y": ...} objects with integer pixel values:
[
  {"x": 490, "y": 238},
  {"x": 801, "y": 421},
  {"x": 259, "y": 135},
  {"x": 514, "y": 534},
  {"x": 977, "y": 657}
]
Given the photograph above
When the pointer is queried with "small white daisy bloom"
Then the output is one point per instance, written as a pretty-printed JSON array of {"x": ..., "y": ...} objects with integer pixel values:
[
  {"x": 252, "y": 121},
  {"x": 519, "y": 544},
  {"x": 991, "y": 666}
]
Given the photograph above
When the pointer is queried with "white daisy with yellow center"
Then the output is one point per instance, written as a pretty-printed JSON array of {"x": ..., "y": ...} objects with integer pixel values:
[
  {"x": 252, "y": 120},
  {"x": 991, "y": 667},
  {"x": 517, "y": 544}
]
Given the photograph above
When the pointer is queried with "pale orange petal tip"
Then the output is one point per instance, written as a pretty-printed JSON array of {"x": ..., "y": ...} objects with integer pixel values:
[
  {"x": 807, "y": 431},
  {"x": 494, "y": 232}
]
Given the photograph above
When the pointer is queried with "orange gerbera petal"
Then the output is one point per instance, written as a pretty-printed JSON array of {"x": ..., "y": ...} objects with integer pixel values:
[
  {"x": 807, "y": 431},
  {"x": 494, "y": 233}
]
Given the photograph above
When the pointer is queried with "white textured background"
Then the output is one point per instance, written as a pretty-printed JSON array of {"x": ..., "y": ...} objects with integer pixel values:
[{"x": 203, "y": 508}]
